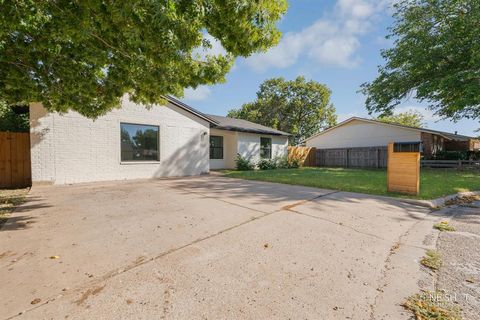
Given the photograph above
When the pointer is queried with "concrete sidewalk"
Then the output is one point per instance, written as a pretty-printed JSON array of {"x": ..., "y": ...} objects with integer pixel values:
[{"x": 210, "y": 247}]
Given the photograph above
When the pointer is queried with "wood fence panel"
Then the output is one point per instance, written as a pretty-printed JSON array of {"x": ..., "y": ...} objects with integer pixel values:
[
  {"x": 306, "y": 155},
  {"x": 363, "y": 157},
  {"x": 15, "y": 164},
  {"x": 5, "y": 161}
]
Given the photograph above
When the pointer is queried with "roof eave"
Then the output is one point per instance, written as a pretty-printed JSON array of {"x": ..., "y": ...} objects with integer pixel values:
[
  {"x": 237, "y": 129},
  {"x": 189, "y": 109}
]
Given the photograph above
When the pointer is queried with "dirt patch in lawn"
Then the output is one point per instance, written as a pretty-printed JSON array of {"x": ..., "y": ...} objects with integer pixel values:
[{"x": 9, "y": 200}]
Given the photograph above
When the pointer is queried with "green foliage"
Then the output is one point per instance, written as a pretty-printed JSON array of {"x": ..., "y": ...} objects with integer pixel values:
[
  {"x": 267, "y": 164},
  {"x": 409, "y": 118},
  {"x": 299, "y": 107},
  {"x": 243, "y": 164},
  {"x": 435, "y": 58},
  {"x": 288, "y": 163},
  {"x": 85, "y": 55},
  {"x": 453, "y": 155},
  {"x": 11, "y": 121},
  {"x": 443, "y": 226},
  {"x": 432, "y": 260}
]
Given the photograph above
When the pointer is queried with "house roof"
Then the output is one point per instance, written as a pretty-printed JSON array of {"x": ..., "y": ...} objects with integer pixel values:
[
  {"x": 187, "y": 108},
  {"x": 446, "y": 135},
  {"x": 240, "y": 125},
  {"x": 225, "y": 123}
]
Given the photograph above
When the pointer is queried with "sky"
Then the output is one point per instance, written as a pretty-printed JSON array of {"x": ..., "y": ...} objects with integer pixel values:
[{"x": 334, "y": 42}]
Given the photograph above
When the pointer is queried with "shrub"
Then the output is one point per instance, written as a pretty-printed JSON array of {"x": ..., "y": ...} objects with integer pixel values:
[
  {"x": 293, "y": 163},
  {"x": 452, "y": 155},
  {"x": 288, "y": 163},
  {"x": 267, "y": 164},
  {"x": 243, "y": 164}
]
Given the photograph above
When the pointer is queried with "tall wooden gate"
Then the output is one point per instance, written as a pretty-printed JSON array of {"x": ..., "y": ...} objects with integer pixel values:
[
  {"x": 403, "y": 170},
  {"x": 15, "y": 166}
]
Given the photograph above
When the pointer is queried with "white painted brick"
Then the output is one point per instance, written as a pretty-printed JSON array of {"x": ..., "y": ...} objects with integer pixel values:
[{"x": 70, "y": 148}]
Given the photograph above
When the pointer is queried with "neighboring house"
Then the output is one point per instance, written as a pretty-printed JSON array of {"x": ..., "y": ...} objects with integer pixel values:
[
  {"x": 230, "y": 137},
  {"x": 360, "y": 132},
  {"x": 136, "y": 142}
]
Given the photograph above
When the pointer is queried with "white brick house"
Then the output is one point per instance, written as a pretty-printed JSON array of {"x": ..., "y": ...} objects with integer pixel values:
[{"x": 135, "y": 142}]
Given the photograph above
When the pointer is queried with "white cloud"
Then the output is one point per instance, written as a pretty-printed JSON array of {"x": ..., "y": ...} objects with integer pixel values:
[
  {"x": 332, "y": 40},
  {"x": 200, "y": 93},
  {"x": 214, "y": 49}
]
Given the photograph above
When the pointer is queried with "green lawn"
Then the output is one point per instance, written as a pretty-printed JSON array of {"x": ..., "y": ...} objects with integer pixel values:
[{"x": 434, "y": 183}]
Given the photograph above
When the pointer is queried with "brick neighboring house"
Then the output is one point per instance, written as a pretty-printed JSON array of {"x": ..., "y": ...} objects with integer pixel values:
[{"x": 361, "y": 132}]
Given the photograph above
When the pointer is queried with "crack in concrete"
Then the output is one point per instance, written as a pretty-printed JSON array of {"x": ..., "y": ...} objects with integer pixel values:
[
  {"x": 381, "y": 281},
  {"x": 298, "y": 203}
]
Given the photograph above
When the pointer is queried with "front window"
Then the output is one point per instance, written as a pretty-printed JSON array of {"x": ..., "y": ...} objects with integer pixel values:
[
  {"x": 139, "y": 142},
  {"x": 216, "y": 147},
  {"x": 266, "y": 148}
]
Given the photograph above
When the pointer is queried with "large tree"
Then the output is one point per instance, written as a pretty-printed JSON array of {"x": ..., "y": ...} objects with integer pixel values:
[
  {"x": 85, "y": 55},
  {"x": 435, "y": 58},
  {"x": 410, "y": 118},
  {"x": 299, "y": 107}
]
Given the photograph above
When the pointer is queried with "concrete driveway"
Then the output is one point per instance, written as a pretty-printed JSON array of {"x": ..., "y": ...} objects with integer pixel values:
[{"x": 209, "y": 248}]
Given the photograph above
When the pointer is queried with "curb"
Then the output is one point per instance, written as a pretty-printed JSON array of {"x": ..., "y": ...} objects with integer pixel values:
[{"x": 438, "y": 202}]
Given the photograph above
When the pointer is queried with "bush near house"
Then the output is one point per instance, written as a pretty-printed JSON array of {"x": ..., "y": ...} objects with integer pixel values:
[
  {"x": 267, "y": 164},
  {"x": 288, "y": 163},
  {"x": 243, "y": 164}
]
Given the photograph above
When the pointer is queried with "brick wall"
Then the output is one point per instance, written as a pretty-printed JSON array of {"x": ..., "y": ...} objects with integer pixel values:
[
  {"x": 427, "y": 144},
  {"x": 71, "y": 148}
]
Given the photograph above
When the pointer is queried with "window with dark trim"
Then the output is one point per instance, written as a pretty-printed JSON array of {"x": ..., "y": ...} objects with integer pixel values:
[
  {"x": 266, "y": 148},
  {"x": 216, "y": 147},
  {"x": 139, "y": 142}
]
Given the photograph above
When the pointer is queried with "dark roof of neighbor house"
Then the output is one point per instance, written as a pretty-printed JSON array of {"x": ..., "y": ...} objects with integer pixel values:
[
  {"x": 446, "y": 135},
  {"x": 240, "y": 125}
]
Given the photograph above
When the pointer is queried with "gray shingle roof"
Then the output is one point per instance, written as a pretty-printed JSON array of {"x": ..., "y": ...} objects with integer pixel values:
[{"x": 239, "y": 125}]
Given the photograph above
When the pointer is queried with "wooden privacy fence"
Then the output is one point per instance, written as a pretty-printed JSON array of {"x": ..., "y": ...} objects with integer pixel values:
[
  {"x": 306, "y": 155},
  {"x": 15, "y": 167},
  {"x": 362, "y": 157}
]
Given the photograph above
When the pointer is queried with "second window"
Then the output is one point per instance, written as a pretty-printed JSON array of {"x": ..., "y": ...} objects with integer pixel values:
[{"x": 216, "y": 147}]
